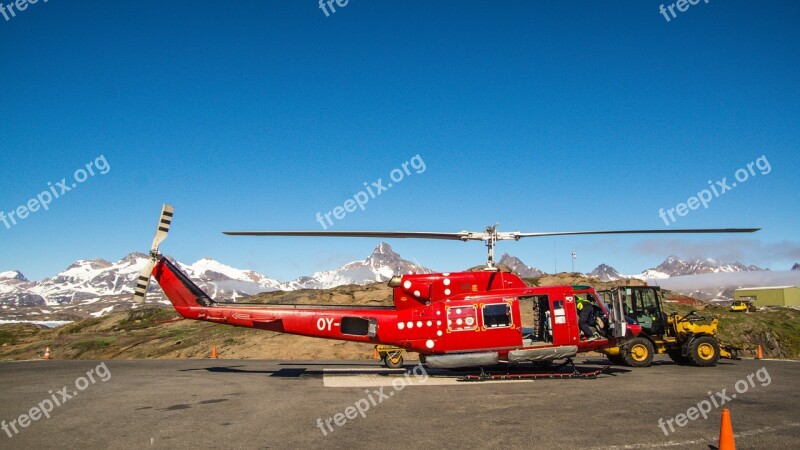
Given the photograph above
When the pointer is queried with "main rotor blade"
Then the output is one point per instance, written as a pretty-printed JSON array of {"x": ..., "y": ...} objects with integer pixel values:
[
  {"x": 666, "y": 231},
  {"x": 378, "y": 234},
  {"x": 476, "y": 235}
]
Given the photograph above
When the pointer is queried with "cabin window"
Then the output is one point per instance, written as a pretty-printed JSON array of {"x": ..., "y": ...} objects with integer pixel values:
[
  {"x": 462, "y": 318},
  {"x": 355, "y": 326},
  {"x": 497, "y": 315},
  {"x": 558, "y": 311}
]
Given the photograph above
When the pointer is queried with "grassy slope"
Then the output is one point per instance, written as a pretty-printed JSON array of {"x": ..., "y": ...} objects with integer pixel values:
[
  {"x": 139, "y": 334},
  {"x": 776, "y": 329}
]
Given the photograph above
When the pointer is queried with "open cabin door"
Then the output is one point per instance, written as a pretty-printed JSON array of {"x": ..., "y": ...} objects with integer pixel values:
[
  {"x": 618, "y": 325},
  {"x": 564, "y": 319}
]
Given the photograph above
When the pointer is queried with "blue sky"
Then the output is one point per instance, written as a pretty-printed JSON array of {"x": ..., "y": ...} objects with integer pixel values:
[{"x": 542, "y": 116}]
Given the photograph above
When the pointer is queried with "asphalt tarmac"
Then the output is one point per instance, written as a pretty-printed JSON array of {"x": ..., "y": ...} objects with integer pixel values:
[{"x": 357, "y": 404}]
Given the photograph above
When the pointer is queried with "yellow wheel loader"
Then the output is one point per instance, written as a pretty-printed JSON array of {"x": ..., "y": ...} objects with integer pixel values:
[{"x": 687, "y": 339}]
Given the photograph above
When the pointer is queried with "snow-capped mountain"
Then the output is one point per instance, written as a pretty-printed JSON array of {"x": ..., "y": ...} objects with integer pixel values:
[
  {"x": 98, "y": 286},
  {"x": 675, "y": 266},
  {"x": 517, "y": 266},
  {"x": 380, "y": 266},
  {"x": 13, "y": 275},
  {"x": 226, "y": 282},
  {"x": 14, "y": 288},
  {"x": 604, "y": 272},
  {"x": 86, "y": 282},
  {"x": 796, "y": 266},
  {"x": 88, "y": 279}
]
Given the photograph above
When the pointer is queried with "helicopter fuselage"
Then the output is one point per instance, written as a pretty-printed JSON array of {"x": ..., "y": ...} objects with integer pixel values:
[{"x": 454, "y": 319}]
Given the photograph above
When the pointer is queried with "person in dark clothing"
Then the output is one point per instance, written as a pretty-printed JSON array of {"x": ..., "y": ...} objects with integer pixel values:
[{"x": 585, "y": 318}]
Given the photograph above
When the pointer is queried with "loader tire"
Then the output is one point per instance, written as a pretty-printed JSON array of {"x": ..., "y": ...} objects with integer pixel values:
[
  {"x": 638, "y": 352},
  {"x": 704, "y": 351}
]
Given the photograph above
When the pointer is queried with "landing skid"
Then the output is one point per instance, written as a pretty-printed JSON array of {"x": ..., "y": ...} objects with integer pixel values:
[{"x": 483, "y": 376}]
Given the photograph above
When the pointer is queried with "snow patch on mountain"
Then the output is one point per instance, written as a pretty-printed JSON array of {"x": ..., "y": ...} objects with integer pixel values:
[
  {"x": 86, "y": 281},
  {"x": 13, "y": 275},
  {"x": 604, "y": 272},
  {"x": 674, "y": 266},
  {"x": 91, "y": 283},
  {"x": 380, "y": 266},
  {"x": 517, "y": 266}
]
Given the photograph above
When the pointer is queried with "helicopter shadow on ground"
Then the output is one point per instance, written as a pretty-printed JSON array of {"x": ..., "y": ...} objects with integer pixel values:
[
  {"x": 317, "y": 370},
  {"x": 656, "y": 363},
  {"x": 343, "y": 364},
  {"x": 296, "y": 372}
]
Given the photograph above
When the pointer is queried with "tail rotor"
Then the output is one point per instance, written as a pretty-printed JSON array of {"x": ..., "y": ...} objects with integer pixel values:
[{"x": 143, "y": 282}]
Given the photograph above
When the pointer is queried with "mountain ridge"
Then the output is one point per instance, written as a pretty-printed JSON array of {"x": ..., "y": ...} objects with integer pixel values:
[
  {"x": 98, "y": 287},
  {"x": 89, "y": 279}
]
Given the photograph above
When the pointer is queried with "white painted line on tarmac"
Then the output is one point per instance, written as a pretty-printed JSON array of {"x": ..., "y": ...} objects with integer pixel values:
[
  {"x": 772, "y": 359},
  {"x": 360, "y": 369},
  {"x": 376, "y": 380},
  {"x": 710, "y": 439}
]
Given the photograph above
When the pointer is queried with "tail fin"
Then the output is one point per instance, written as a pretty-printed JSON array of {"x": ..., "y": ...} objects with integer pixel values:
[{"x": 179, "y": 289}]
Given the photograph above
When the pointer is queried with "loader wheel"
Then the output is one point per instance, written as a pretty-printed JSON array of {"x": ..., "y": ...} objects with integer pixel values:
[
  {"x": 393, "y": 361},
  {"x": 638, "y": 352},
  {"x": 677, "y": 356},
  {"x": 704, "y": 351}
]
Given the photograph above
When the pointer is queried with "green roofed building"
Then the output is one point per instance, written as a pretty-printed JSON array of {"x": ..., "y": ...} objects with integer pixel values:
[{"x": 770, "y": 296}]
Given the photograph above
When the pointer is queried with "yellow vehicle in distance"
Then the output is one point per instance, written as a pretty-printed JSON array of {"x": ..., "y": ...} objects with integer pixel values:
[{"x": 742, "y": 306}]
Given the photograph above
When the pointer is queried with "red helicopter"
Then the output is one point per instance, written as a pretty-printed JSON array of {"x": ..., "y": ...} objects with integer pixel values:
[{"x": 453, "y": 320}]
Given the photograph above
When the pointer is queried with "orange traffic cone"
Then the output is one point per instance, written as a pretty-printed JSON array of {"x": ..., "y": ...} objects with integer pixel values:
[
  {"x": 375, "y": 353},
  {"x": 47, "y": 352},
  {"x": 213, "y": 352},
  {"x": 726, "y": 432},
  {"x": 759, "y": 352}
]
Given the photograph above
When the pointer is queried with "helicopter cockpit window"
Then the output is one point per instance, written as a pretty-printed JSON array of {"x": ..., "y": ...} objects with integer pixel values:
[{"x": 497, "y": 315}]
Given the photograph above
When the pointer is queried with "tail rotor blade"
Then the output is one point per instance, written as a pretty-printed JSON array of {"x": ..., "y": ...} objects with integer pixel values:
[
  {"x": 143, "y": 282},
  {"x": 162, "y": 229}
]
